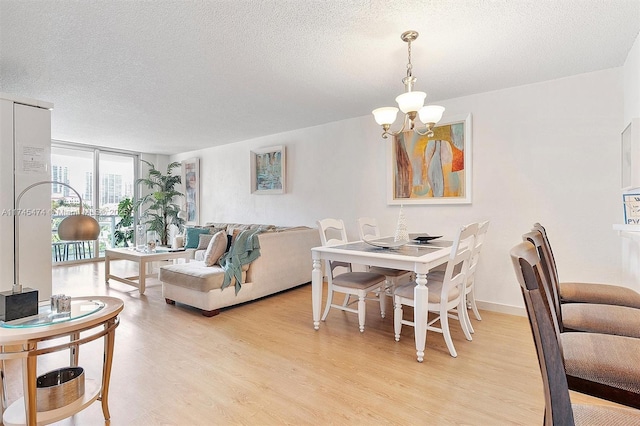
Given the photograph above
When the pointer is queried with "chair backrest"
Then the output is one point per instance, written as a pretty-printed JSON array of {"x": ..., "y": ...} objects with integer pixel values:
[
  {"x": 333, "y": 233},
  {"x": 526, "y": 264},
  {"x": 368, "y": 227},
  {"x": 550, "y": 286},
  {"x": 475, "y": 252},
  {"x": 553, "y": 267},
  {"x": 458, "y": 264}
]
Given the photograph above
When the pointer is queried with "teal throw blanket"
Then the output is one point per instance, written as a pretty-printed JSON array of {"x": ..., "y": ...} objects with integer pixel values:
[{"x": 245, "y": 249}]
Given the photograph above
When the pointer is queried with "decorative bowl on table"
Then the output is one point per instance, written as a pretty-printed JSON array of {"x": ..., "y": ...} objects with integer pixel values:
[
  {"x": 423, "y": 238},
  {"x": 385, "y": 242}
]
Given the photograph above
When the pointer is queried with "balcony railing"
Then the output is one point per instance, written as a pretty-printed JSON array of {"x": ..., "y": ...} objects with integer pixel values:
[{"x": 66, "y": 251}]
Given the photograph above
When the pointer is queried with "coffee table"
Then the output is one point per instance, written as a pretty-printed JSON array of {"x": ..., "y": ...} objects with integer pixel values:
[{"x": 142, "y": 259}]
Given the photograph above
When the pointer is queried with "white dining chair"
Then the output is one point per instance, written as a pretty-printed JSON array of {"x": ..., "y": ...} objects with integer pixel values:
[
  {"x": 360, "y": 284},
  {"x": 470, "y": 293},
  {"x": 368, "y": 229},
  {"x": 445, "y": 293}
]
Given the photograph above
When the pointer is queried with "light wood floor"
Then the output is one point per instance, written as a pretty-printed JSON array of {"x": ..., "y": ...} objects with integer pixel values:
[{"x": 262, "y": 363}]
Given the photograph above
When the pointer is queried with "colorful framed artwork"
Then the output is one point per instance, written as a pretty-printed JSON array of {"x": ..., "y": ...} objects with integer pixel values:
[
  {"x": 191, "y": 182},
  {"x": 432, "y": 170},
  {"x": 268, "y": 170},
  {"x": 631, "y": 209}
]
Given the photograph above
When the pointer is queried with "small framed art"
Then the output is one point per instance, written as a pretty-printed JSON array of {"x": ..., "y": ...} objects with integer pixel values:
[
  {"x": 191, "y": 182},
  {"x": 631, "y": 209},
  {"x": 268, "y": 170}
]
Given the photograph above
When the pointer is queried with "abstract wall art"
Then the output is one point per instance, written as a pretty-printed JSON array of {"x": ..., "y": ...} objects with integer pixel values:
[{"x": 432, "y": 170}]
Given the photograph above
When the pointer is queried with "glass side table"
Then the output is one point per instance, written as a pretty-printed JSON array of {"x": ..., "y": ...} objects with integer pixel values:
[
  {"x": 79, "y": 309},
  {"x": 94, "y": 317}
]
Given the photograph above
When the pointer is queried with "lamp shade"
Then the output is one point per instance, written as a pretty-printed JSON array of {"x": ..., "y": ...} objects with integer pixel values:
[
  {"x": 78, "y": 227},
  {"x": 430, "y": 113},
  {"x": 411, "y": 101},
  {"x": 385, "y": 115}
]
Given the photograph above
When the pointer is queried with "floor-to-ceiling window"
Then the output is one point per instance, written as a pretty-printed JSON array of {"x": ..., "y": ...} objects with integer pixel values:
[{"x": 103, "y": 179}]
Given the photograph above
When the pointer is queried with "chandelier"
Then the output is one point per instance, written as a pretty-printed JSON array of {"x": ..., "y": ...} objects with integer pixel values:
[{"x": 410, "y": 103}]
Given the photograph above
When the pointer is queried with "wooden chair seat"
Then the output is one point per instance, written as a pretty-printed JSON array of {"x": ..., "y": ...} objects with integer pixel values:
[
  {"x": 603, "y": 415},
  {"x": 605, "y": 319},
  {"x": 359, "y": 280},
  {"x": 572, "y": 292},
  {"x": 603, "y": 364}
]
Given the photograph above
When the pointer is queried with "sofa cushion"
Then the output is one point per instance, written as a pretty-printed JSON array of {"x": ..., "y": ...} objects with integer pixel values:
[
  {"x": 216, "y": 248},
  {"x": 192, "y": 236},
  {"x": 203, "y": 241},
  {"x": 196, "y": 276}
]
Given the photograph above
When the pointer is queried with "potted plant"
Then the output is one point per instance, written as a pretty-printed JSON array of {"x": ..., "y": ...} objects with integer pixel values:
[
  {"x": 161, "y": 211},
  {"x": 123, "y": 233}
]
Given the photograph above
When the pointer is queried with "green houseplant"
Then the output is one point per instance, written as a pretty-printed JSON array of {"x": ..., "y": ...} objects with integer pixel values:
[
  {"x": 123, "y": 233},
  {"x": 160, "y": 210}
]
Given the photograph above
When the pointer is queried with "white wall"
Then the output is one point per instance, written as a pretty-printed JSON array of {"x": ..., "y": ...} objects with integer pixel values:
[
  {"x": 546, "y": 152},
  {"x": 630, "y": 241},
  {"x": 632, "y": 83}
]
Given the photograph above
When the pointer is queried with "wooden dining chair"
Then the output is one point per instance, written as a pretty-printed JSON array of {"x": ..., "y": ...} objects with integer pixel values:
[
  {"x": 360, "y": 284},
  {"x": 367, "y": 229},
  {"x": 579, "y": 292},
  {"x": 602, "y": 365},
  {"x": 445, "y": 293},
  {"x": 587, "y": 317},
  {"x": 558, "y": 407}
]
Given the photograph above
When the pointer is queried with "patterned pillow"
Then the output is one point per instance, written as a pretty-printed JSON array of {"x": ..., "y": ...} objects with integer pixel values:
[
  {"x": 192, "y": 237},
  {"x": 216, "y": 248},
  {"x": 203, "y": 241}
]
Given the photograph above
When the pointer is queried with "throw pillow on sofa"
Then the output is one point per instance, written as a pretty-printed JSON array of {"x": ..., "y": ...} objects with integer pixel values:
[
  {"x": 192, "y": 237},
  {"x": 216, "y": 248},
  {"x": 204, "y": 240}
]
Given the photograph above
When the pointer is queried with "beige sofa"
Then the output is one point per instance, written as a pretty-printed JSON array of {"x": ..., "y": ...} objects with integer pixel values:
[{"x": 284, "y": 262}]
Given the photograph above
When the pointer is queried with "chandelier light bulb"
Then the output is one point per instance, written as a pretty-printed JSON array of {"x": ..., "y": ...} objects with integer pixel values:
[
  {"x": 411, "y": 101},
  {"x": 385, "y": 115},
  {"x": 430, "y": 113}
]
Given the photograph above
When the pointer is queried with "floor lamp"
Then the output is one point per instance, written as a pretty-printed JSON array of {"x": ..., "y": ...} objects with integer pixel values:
[{"x": 22, "y": 302}]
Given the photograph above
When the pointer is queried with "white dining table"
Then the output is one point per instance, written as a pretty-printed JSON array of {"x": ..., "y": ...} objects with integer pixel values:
[{"x": 419, "y": 258}]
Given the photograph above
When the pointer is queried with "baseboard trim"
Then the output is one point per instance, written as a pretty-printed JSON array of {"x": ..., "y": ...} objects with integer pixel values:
[{"x": 503, "y": 309}]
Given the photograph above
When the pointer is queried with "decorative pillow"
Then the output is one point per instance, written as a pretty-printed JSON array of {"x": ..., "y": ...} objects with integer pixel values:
[
  {"x": 203, "y": 241},
  {"x": 215, "y": 249},
  {"x": 192, "y": 237}
]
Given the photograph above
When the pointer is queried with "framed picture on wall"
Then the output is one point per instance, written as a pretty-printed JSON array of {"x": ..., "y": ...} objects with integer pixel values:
[
  {"x": 431, "y": 170},
  {"x": 631, "y": 209},
  {"x": 191, "y": 182},
  {"x": 268, "y": 170}
]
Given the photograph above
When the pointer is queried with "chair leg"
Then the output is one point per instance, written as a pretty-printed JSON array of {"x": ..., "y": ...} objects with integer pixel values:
[
  {"x": 361, "y": 311},
  {"x": 397, "y": 318},
  {"x": 444, "y": 324},
  {"x": 472, "y": 301},
  {"x": 463, "y": 319},
  {"x": 345, "y": 302},
  {"x": 382, "y": 297},
  {"x": 328, "y": 306}
]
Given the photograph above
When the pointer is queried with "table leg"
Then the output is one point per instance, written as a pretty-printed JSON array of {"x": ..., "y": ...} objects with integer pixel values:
[
  {"x": 421, "y": 299},
  {"x": 109, "y": 341},
  {"x": 142, "y": 271},
  {"x": 73, "y": 350},
  {"x": 316, "y": 292},
  {"x": 107, "y": 268},
  {"x": 29, "y": 385}
]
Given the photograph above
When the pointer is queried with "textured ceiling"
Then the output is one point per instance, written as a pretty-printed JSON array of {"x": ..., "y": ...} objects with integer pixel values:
[{"x": 173, "y": 76}]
